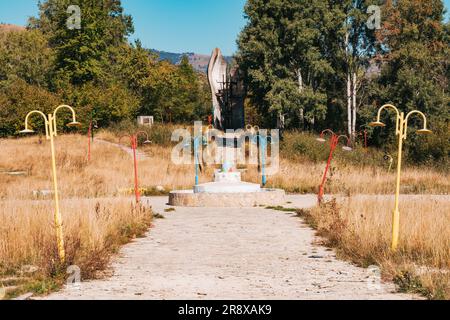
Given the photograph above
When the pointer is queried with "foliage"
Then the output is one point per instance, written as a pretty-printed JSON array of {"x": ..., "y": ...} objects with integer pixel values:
[
  {"x": 26, "y": 55},
  {"x": 17, "y": 98},
  {"x": 414, "y": 76},
  {"x": 294, "y": 57},
  {"x": 297, "y": 56},
  {"x": 304, "y": 147},
  {"x": 81, "y": 52},
  {"x": 93, "y": 69}
]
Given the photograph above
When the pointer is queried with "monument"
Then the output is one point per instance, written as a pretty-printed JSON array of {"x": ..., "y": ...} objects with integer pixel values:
[
  {"x": 227, "y": 189},
  {"x": 228, "y": 93}
]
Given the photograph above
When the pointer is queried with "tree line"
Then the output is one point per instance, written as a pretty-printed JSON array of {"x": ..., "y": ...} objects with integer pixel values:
[
  {"x": 92, "y": 67},
  {"x": 331, "y": 64}
]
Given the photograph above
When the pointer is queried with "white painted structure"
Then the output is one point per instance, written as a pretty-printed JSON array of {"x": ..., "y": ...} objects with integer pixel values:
[
  {"x": 147, "y": 121},
  {"x": 227, "y": 182}
]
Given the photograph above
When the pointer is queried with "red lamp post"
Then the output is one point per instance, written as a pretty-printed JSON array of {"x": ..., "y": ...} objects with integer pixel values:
[
  {"x": 363, "y": 134},
  {"x": 92, "y": 125},
  {"x": 334, "y": 143},
  {"x": 134, "y": 146}
]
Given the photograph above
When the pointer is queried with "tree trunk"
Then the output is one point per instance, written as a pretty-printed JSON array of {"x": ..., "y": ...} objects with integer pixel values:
[
  {"x": 349, "y": 104},
  {"x": 349, "y": 86},
  {"x": 354, "y": 91},
  {"x": 300, "y": 89},
  {"x": 300, "y": 80}
]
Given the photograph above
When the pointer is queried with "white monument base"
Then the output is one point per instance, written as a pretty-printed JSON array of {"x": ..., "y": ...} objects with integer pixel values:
[
  {"x": 227, "y": 187},
  {"x": 265, "y": 197},
  {"x": 227, "y": 182},
  {"x": 227, "y": 190}
]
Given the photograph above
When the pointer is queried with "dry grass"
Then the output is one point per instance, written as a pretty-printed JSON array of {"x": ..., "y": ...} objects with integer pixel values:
[
  {"x": 296, "y": 176},
  {"x": 305, "y": 177},
  {"x": 360, "y": 228},
  {"x": 94, "y": 229},
  {"x": 109, "y": 173}
]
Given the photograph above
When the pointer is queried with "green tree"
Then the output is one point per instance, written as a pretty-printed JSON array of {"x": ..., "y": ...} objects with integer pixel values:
[
  {"x": 17, "y": 98},
  {"x": 299, "y": 55},
  {"x": 81, "y": 52},
  {"x": 26, "y": 55},
  {"x": 414, "y": 50}
]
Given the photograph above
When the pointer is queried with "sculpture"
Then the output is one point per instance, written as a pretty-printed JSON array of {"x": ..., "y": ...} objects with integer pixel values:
[{"x": 228, "y": 93}]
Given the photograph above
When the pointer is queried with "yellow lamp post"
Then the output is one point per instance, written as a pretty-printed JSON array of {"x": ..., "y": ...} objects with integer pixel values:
[
  {"x": 401, "y": 131},
  {"x": 51, "y": 132}
]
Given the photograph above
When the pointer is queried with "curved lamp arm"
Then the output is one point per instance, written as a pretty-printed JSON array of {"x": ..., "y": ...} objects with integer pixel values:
[
  {"x": 322, "y": 134},
  {"x": 378, "y": 123},
  {"x": 347, "y": 147},
  {"x": 146, "y": 135},
  {"x": 422, "y": 131},
  {"x": 28, "y": 130},
  {"x": 74, "y": 122},
  {"x": 346, "y": 138}
]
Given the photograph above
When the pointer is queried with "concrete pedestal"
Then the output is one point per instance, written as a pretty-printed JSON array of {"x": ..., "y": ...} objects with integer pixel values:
[{"x": 265, "y": 197}]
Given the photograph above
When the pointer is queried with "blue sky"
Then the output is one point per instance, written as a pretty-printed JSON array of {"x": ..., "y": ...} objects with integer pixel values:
[{"x": 170, "y": 25}]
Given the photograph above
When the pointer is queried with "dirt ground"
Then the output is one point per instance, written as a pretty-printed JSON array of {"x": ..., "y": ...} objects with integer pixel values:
[{"x": 231, "y": 253}]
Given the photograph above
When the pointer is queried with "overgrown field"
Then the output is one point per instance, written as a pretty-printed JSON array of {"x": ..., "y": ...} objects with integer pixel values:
[
  {"x": 360, "y": 229},
  {"x": 99, "y": 216},
  {"x": 94, "y": 230},
  {"x": 302, "y": 162}
]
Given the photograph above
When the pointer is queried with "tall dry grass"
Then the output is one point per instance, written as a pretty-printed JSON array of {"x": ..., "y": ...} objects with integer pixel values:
[
  {"x": 110, "y": 173},
  {"x": 360, "y": 228},
  {"x": 296, "y": 175},
  {"x": 95, "y": 225},
  {"x": 305, "y": 177},
  {"x": 93, "y": 230}
]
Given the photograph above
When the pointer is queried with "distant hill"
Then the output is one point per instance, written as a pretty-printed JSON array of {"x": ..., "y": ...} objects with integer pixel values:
[
  {"x": 198, "y": 61},
  {"x": 10, "y": 27}
]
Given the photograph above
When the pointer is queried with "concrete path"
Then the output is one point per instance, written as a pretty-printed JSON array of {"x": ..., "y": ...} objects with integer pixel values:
[{"x": 226, "y": 253}]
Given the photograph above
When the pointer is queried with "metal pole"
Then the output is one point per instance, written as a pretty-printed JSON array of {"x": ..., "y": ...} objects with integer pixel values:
[
  {"x": 89, "y": 141},
  {"x": 263, "y": 161},
  {"x": 334, "y": 143},
  {"x": 391, "y": 162},
  {"x": 365, "y": 139},
  {"x": 196, "y": 160},
  {"x": 57, "y": 217},
  {"x": 136, "y": 182},
  {"x": 396, "y": 214}
]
